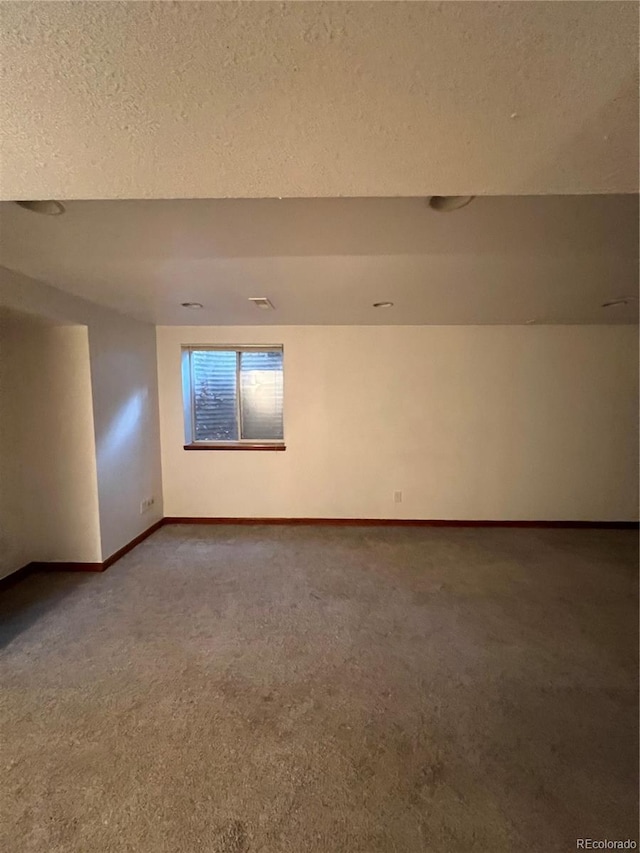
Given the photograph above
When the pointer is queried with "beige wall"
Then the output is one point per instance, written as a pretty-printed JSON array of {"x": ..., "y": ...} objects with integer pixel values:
[
  {"x": 470, "y": 422},
  {"x": 122, "y": 355},
  {"x": 125, "y": 406},
  {"x": 48, "y": 486}
]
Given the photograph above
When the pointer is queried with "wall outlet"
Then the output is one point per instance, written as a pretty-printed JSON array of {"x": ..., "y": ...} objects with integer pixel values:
[
  {"x": 146, "y": 504},
  {"x": 397, "y": 497}
]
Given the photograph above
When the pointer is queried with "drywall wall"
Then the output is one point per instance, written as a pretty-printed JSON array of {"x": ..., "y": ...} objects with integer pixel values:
[
  {"x": 469, "y": 422},
  {"x": 122, "y": 357},
  {"x": 48, "y": 486},
  {"x": 256, "y": 100}
]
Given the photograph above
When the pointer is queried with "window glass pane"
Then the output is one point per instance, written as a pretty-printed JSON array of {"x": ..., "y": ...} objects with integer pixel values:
[
  {"x": 261, "y": 390},
  {"x": 215, "y": 395}
]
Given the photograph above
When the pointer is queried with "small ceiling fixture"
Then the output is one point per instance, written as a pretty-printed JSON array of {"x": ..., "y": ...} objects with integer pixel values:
[
  {"x": 193, "y": 305},
  {"x": 621, "y": 300},
  {"x": 47, "y": 208},
  {"x": 383, "y": 304},
  {"x": 447, "y": 203},
  {"x": 261, "y": 302}
]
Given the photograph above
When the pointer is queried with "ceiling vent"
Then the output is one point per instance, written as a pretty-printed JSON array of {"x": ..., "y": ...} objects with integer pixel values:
[{"x": 261, "y": 302}]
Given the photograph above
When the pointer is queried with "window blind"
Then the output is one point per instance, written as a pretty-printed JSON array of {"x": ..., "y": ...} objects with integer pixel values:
[{"x": 236, "y": 394}]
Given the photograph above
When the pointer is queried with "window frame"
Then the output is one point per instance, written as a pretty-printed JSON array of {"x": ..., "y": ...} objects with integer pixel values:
[{"x": 188, "y": 399}]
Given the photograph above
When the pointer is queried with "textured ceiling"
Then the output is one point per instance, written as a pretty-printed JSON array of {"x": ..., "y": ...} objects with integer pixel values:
[
  {"x": 179, "y": 100},
  {"x": 500, "y": 260}
]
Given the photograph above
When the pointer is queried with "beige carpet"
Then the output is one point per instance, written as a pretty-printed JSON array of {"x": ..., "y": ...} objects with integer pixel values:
[{"x": 320, "y": 690}]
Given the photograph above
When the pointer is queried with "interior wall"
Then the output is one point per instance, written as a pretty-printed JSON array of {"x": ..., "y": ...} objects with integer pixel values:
[
  {"x": 122, "y": 360},
  {"x": 48, "y": 488},
  {"x": 469, "y": 422}
]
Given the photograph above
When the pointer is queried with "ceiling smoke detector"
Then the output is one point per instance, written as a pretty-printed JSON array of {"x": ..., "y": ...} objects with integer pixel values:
[
  {"x": 261, "y": 302},
  {"x": 193, "y": 305},
  {"x": 383, "y": 304},
  {"x": 447, "y": 203},
  {"x": 47, "y": 208}
]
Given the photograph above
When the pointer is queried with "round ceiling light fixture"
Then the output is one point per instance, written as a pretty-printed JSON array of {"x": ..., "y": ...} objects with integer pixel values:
[
  {"x": 195, "y": 306},
  {"x": 46, "y": 208},
  {"x": 383, "y": 304},
  {"x": 447, "y": 203},
  {"x": 621, "y": 300}
]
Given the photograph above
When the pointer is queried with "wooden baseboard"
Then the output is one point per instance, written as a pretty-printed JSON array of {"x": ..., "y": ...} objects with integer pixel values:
[
  {"x": 22, "y": 573},
  {"x": 407, "y": 522},
  {"x": 67, "y": 567},
  {"x": 131, "y": 545},
  {"x": 15, "y": 577}
]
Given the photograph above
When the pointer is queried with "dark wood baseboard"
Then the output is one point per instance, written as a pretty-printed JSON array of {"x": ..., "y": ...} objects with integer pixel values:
[
  {"x": 15, "y": 577},
  {"x": 407, "y": 522},
  {"x": 68, "y": 567},
  {"x": 131, "y": 545},
  {"x": 22, "y": 573}
]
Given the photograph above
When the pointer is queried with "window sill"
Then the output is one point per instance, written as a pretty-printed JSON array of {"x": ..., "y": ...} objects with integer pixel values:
[{"x": 230, "y": 445}]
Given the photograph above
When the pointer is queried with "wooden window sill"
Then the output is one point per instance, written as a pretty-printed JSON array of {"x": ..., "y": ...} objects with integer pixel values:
[{"x": 202, "y": 445}]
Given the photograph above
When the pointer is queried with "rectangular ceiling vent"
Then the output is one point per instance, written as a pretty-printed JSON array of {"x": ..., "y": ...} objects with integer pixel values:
[{"x": 261, "y": 302}]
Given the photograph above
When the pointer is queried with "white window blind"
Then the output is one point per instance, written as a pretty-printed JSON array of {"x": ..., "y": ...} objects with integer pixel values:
[{"x": 234, "y": 394}]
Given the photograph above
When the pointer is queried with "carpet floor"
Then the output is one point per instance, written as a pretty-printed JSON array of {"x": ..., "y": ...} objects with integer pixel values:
[{"x": 325, "y": 690}]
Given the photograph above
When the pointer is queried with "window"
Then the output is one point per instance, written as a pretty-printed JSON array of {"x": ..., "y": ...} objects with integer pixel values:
[{"x": 233, "y": 398}]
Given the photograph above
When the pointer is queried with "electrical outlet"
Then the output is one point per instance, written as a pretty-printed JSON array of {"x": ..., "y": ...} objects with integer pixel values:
[
  {"x": 146, "y": 504},
  {"x": 397, "y": 497}
]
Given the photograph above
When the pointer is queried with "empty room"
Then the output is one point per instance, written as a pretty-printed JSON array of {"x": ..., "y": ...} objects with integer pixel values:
[{"x": 319, "y": 436}]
